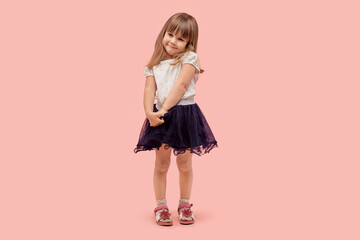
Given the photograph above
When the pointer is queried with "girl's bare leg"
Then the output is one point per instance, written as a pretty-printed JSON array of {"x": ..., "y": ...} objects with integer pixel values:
[
  {"x": 184, "y": 163},
  {"x": 162, "y": 163}
]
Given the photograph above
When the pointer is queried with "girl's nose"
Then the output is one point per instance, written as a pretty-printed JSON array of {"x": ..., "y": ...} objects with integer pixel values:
[{"x": 173, "y": 40}]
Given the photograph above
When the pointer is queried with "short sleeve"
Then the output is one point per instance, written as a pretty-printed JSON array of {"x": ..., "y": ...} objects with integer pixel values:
[
  {"x": 148, "y": 72},
  {"x": 192, "y": 59}
]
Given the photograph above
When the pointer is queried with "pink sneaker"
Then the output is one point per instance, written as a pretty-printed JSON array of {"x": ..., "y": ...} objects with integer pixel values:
[
  {"x": 163, "y": 216},
  {"x": 186, "y": 216}
]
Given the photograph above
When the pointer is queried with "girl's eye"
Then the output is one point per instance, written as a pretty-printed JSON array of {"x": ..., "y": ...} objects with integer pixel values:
[
  {"x": 181, "y": 39},
  {"x": 170, "y": 34}
]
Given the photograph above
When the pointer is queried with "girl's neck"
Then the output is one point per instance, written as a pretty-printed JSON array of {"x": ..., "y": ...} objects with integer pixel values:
[{"x": 168, "y": 57}]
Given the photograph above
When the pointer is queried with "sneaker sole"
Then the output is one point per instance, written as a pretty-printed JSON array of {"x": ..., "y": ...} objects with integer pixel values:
[
  {"x": 186, "y": 222},
  {"x": 164, "y": 224}
]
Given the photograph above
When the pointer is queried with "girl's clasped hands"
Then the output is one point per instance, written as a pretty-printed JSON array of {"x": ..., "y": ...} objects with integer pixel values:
[{"x": 155, "y": 117}]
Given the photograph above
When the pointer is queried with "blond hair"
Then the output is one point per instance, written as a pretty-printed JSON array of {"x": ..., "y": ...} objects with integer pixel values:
[{"x": 187, "y": 27}]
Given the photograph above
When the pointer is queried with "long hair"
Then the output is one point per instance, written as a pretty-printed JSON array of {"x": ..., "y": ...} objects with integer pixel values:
[{"x": 187, "y": 27}]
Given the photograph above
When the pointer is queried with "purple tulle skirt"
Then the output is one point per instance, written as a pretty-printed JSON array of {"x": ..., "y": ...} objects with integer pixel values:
[{"x": 184, "y": 128}]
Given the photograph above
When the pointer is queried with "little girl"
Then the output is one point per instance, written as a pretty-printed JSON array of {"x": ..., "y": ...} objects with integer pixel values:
[{"x": 175, "y": 121}]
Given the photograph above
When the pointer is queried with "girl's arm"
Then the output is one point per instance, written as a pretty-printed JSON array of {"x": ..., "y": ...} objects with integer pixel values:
[
  {"x": 187, "y": 72},
  {"x": 149, "y": 94}
]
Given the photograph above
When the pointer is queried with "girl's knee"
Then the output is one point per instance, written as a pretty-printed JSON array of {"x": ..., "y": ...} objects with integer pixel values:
[
  {"x": 162, "y": 165},
  {"x": 184, "y": 163}
]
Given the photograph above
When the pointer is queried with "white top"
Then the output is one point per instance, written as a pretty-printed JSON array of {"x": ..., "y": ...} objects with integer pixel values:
[{"x": 165, "y": 76}]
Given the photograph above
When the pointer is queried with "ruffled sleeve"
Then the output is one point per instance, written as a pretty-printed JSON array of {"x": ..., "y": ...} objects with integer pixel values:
[
  {"x": 148, "y": 72},
  {"x": 192, "y": 59}
]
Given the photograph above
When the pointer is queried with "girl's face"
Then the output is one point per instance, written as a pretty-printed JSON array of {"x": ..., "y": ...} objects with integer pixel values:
[{"x": 174, "y": 44}]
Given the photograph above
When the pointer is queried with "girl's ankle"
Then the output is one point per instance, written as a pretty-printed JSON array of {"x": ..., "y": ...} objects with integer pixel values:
[
  {"x": 161, "y": 202},
  {"x": 183, "y": 201}
]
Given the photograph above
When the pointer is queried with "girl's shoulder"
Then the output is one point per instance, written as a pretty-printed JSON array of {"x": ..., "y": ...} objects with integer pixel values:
[
  {"x": 191, "y": 55},
  {"x": 192, "y": 58}
]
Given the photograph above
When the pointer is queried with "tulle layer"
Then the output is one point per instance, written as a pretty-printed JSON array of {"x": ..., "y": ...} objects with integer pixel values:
[{"x": 184, "y": 128}]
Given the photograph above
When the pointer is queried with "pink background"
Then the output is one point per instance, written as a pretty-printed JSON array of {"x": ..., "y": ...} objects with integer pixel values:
[{"x": 280, "y": 92}]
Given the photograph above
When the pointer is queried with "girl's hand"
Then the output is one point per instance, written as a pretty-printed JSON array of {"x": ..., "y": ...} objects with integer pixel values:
[
  {"x": 162, "y": 112},
  {"x": 154, "y": 118}
]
